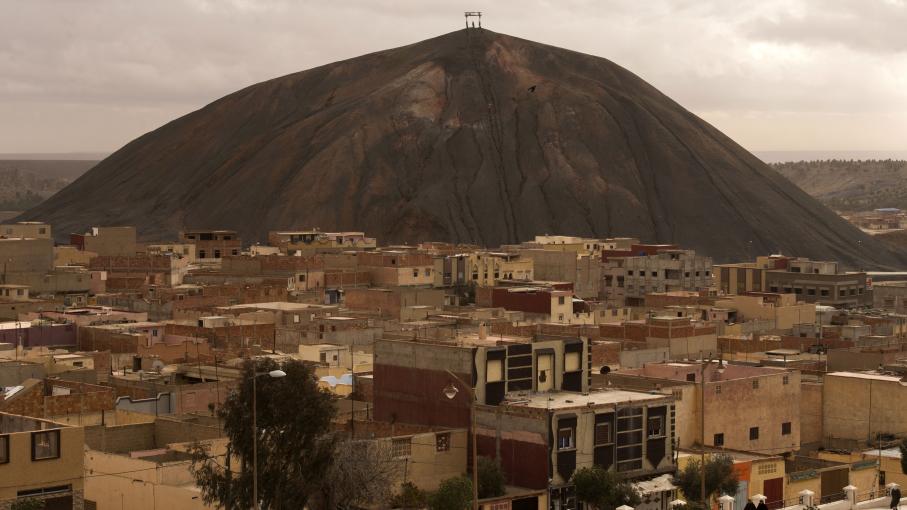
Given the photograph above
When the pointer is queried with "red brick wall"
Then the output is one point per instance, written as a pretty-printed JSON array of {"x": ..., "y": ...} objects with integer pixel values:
[
  {"x": 605, "y": 353},
  {"x": 532, "y": 302}
]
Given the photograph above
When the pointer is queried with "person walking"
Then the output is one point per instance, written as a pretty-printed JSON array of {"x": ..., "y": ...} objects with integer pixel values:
[{"x": 895, "y": 498}]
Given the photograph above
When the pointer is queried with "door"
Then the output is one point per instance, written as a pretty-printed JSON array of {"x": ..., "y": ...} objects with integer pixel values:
[
  {"x": 774, "y": 493},
  {"x": 544, "y": 366}
]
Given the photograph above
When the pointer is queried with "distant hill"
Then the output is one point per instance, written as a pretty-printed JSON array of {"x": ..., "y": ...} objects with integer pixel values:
[
  {"x": 472, "y": 136},
  {"x": 849, "y": 185},
  {"x": 26, "y": 183}
]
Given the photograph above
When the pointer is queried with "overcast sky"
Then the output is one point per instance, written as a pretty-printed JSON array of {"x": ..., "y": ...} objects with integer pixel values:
[{"x": 80, "y": 75}]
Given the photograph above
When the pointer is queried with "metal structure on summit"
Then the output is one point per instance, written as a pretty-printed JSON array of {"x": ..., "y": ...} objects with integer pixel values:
[{"x": 473, "y": 14}]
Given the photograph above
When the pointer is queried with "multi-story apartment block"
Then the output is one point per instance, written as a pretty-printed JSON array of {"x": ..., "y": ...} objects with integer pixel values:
[
  {"x": 410, "y": 376},
  {"x": 658, "y": 268},
  {"x": 818, "y": 282},
  {"x": 746, "y": 407},
  {"x": 542, "y": 438},
  {"x": 106, "y": 241},
  {"x": 212, "y": 244}
]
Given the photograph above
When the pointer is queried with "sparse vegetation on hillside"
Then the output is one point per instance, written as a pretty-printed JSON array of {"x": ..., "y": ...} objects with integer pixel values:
[{"x": 851, "y": 185}]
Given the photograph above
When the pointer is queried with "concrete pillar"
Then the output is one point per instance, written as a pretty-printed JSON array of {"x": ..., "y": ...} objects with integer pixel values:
[
  {"x": 807, "y": 497},
  {"x": 850, "y": 494},
  {"x": 726, "y": 502}
]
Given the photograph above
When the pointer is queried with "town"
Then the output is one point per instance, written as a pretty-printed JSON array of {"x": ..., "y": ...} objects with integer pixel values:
[{"x": 509, "y": 375}]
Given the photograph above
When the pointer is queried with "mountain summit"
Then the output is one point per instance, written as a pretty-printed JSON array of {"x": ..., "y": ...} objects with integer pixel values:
[{"x": 472, "y": 136}]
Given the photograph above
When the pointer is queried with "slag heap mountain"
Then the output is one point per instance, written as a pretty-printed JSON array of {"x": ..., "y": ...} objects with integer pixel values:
[{"x": 471, "y": 137}]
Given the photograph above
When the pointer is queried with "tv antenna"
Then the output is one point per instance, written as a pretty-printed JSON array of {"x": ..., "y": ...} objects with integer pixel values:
[{"x": 473, "y": 14}]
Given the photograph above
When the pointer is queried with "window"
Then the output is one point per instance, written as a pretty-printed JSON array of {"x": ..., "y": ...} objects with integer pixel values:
[
  {"x": 708, "y": 273},
  {"x": 494, "y": 370},
  {"x": 630, "y": 273},
  {"x": 201, "y": 254},
  {"x": 717, "y": 389},
  {"x": 678, "y": 395},
  {"x": 500, "y": 505},
  {"x": 603, "y": 434},
  {"x": 691, "y": 377},
  {"x": 785, "y": 379},
  {"x": 718, "y": 440},
  {"x": 842, "y": 293},
  {"x": 823, "y": 292},
  {"x": 234, "y": 252},
  {"x": 656, "y": 426},
  {"x": 415, "y": 272},
  {"x": 4, "y": 449},
  {"x": 560, "y": 300},
  {"x": 810, "y": 292},
  {"x": 323, "y": 357},
  {"x": 754, "y": 433},
  {"x": 427, "y": 271},
  {"x": 566, "y": 439},
  {"x": 45, "y": 445},
  {"x": 654, "y": 274},
  {"x": 402, "y": 447},
  {"x": 442, "y": 442},
  {"x": 301, "y": 277},
  {"x": 785, "y": 428},
  {"x": 217, "y": 254},
  {"x": 767, "y": 468},
  {"x": 773, "y": 288},
  {"x": 686, "y": 274},
  {"x": 755, "y": 384},
  {"x": 571, "y": 362}
]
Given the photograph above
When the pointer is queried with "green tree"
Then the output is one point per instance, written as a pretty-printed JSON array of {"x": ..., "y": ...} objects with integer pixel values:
[
  {"x": 295, "y": 448},
  {"x": 720, "y": 478},
  {"x": 603, "y": 489},
  {"x": 491, "y": 478},
  {"x": 409, "y": 497},
  {"x": 452, "y": 494}
]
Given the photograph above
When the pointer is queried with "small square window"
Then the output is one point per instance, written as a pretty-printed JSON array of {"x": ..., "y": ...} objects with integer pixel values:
[
  {"x": 691, "y": 377},
  {"x": 754, "y": 433},
  {"x": 755, "y": 384},
  {"x": 45, "y": 445},
  {"x": 656, "y": 426},
  {"x": 718, "y": 440},
  {"x": 603, "y": 434},
  {"x": 566, "y": 439},
  {"x": 416, "y": 273},
  {"x": 442, "y": 442},
  {"x": 402, "y": 447},
  {"x": 785, "y": 428}
]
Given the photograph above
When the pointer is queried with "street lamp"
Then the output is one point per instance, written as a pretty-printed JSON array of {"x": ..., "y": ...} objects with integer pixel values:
[
  {"x": 450, "y": 392},
  {"x": 275, "y": 374}
]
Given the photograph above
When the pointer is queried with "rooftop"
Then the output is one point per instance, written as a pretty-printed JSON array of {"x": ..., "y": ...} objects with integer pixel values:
[{"x": 563, "y": 400}]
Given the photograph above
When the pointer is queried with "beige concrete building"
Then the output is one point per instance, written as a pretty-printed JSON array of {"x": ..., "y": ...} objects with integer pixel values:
[
  {"x": 184, "y": 250},
  {"x": 812, "y": 281},
  {"x": 583, "y": 269},
  {"x": 858, "y": 406},
  {"x": 746, "y": 408},
  {"x": 481, "y": 268},
  {"x": 107, "y": 241},
  {"x": 784, "y": 311},
  {"x": 33, "y": 229},
  {"x": 41, "y": 459},
  {"x": 313, "y": 241}
]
